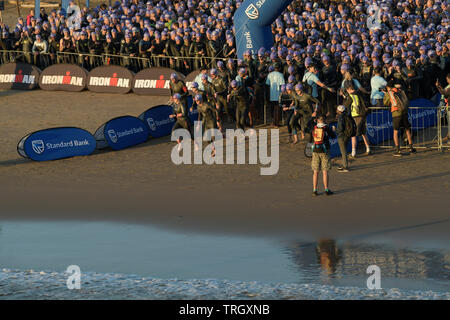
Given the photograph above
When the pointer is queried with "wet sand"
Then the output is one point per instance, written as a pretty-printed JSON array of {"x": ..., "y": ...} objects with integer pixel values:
[{"x": 381, "y": 195}]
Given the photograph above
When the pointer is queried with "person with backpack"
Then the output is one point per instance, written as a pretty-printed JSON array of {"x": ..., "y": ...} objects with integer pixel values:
[
  {"x": 398, "y": 101},
  {"x": 346, "y": 128},
  {"x": 320, "y": 135},
  {"x": 354, "y": 102}
]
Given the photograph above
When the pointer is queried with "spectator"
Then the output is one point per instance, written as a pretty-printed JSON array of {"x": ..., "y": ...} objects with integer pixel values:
[
  {"x": 398, "y": 102},
  {"x": 354, "y": 102},
  {"x": 39, "y": 50},
  {"x": 320, "y": 135},
  {"x": 275, "y": 80},
  {"x": 377, "y": 83},
  {"x": 445, "y": 98},
  {"x": 346, "y": 128}
]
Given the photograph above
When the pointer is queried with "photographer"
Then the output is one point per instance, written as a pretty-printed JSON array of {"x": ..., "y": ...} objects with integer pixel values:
[{"x": 396, "y": 98}]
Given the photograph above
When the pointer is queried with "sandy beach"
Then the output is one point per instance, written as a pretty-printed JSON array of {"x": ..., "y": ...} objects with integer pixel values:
[{"x": 381, "y": 194}]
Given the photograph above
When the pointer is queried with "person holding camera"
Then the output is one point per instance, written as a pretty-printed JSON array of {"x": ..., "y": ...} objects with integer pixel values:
[{"x": 396, "y": 98}]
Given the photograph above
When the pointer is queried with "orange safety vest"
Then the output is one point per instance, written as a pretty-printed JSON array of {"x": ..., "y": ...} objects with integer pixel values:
[{"x": 394, "y": 102}]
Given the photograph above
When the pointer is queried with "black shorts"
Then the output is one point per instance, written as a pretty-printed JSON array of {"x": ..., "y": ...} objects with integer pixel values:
[
  {"x": 360, "y": 125},
  {"x": 401, "y": 121}
]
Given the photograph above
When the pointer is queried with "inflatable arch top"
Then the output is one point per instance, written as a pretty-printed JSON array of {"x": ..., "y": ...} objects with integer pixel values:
[{"x": 252, "y": 23}]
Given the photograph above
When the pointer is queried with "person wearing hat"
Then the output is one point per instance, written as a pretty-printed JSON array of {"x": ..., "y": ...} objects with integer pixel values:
[
  {"x": 208, "y": 89},
  {"x": 66, "y": 44},
  {"x": 25, "y": 43},
  {"x": 82, "y": 48},
  {"x": 293, "y": 114},
  {"x": 198, "y": 51},
  {"x": 229, "y": 49},
  {"x": 250, "y": 64},
  {"x": 330, "y": 77},
  {"x": 177, "y": 86},
  {"x": 195, "y": 88},
  {"x": 220, "y": 92},
  {"x": 157, "y": 50},
  {"x": 412, "y": 77},
  {"x": 239, "y": 97},
  {"x": 304, "y": 106},
  {"x": 180, "y": 112},
  {"x": 144, "y": 50},
  {"x": 223, "y": 72},
  {"x": 207, "y": 115},
  {"x": 312, "y": 80},
  {"x": 320, "y": 138},
  {"x": 214, "y": 46},
  {"x": 185, "y": 54},
  {"x": 285, "y": 102},
  {"x": 173, "y": 50},
  {"x": 397, "y": 100},
  {"x": 343, "y": 135},
  {"x": 356, "y": 106},
  {"x": 39, "y": 50}
]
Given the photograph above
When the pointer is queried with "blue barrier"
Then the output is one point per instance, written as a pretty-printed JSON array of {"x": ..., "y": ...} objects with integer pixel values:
[
  {"x": 422, "y": 114},
  {"x": 121, "y": 133},
  {"x": 56, "y": 143},
  {"x": 158, "y": 121}
]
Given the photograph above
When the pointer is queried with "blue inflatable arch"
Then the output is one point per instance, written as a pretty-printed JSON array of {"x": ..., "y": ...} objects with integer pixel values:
[{"x": 252, "y": 23}]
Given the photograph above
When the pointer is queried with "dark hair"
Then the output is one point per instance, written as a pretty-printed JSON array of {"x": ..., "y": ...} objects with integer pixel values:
[
  {"x": 390, "y": 84},
  {"x": 377, "y": 70}
]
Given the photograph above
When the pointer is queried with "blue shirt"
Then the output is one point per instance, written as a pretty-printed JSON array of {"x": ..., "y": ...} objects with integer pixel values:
[
  {"x": 311, "y": 79},
  {"x": 275, "y": 80},
  {"x": 376, "y": 83}
]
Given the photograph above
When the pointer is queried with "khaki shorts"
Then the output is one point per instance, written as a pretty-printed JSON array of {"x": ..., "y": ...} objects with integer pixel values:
[{"x": 320, "y": 161}]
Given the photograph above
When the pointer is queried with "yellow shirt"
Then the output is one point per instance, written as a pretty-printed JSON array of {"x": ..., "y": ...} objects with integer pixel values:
[{"x": 355, "y": 105}]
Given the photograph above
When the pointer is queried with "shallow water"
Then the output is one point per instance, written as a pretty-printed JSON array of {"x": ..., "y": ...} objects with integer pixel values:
[{"x": 121, "y": 261}]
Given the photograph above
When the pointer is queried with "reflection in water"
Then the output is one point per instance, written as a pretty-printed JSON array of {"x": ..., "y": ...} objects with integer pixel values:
[
  {"x": 328, "y": 260},
  {"x": 328, "y": 255},
  {"x": 108, "y": 248}
]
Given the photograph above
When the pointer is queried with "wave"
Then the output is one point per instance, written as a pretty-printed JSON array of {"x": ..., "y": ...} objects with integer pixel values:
[{"x": 15, "y": 284}]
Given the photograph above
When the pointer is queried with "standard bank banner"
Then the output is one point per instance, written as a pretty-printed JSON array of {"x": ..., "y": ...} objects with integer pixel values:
[
  {"x": 63, "y": 77},
  {"x": 154, "y": 81},
  {"x": 110, "y": 79},
  {"x": 19, "y": 76},
  {"x": 158, "y": 121},
  {"x": 122, "y": 132},
  {"x": 56, "y": 143}
]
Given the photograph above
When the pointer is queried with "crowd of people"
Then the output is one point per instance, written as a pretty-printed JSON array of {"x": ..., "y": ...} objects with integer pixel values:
[{"x": 331, "y": 59}]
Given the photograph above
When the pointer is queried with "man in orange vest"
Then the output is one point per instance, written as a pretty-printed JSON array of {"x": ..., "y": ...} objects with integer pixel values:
[{"x": 396, "y": 98}]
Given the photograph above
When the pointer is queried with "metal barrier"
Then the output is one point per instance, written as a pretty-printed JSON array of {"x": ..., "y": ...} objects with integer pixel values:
[
  {"x": 427, "y": 124},
  {"x": 89, "y": 61}
]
